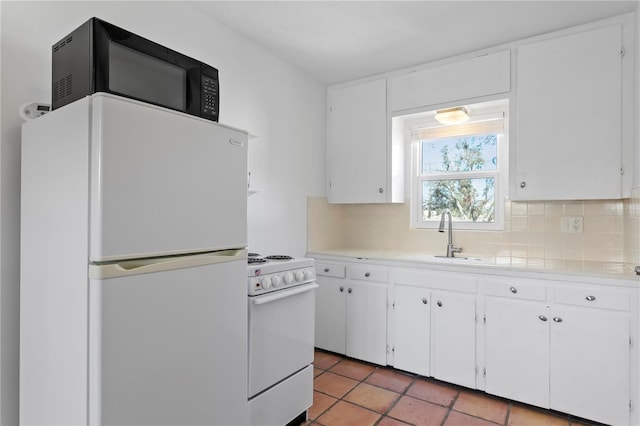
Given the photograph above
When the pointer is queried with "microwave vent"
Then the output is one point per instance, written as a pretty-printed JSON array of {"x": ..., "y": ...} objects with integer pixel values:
[
  {"x": 62, "y": 43},
  {"x": 62, "y": 88}
]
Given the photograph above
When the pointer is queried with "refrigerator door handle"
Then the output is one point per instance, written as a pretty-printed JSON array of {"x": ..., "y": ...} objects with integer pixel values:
[{"x": 158, "y": 264}]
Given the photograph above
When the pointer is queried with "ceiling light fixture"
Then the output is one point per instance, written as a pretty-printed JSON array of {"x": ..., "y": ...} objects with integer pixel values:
[{"x": 455, "y": 115}]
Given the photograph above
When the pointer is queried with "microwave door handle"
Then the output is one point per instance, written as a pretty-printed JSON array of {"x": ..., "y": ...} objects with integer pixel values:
[{"x": 272, "y": 297}]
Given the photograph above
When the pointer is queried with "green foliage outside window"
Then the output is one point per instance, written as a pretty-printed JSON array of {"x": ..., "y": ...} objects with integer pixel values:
[{"x": 445, "y": 162}]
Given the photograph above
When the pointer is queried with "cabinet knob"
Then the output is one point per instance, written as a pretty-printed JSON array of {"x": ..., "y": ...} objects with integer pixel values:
[
  {"x": 349, "y": 290},
  {"x": 341, "y": 289},
  {"x": 542, "y": 318},
  {"x": 557, "y": 319},
  {"x": 424, "y": 300},
  {"x": 513, "y": 290},
  {"x": 380, "y": 190},
  {"x": 326, "y": 269},
  {"x": 590, "y": 298},
  {"x": 439, "y": 303},
  {"x": 367, "y": 274},
  {"x": 523, "y": 184}
]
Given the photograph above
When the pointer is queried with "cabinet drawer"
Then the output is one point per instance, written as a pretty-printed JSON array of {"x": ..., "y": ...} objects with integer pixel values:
[
  {"x": 368, "y": 274},
  {"x": 592, "y": 297},
  {"x": 330, "y": 270},
  {"x": 516, "y": 290}
]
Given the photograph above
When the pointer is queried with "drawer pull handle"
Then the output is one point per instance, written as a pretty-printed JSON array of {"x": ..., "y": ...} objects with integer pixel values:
[
  {"x": 542, "y": 318},
  {"x": 424, "y": 300},
  {"x": 367, "y": 274},
  {"x": 341, "y": 289},
  {"x": 326, "y": 269},
  {"x": 590, "y": 298},
  {"x": 439, "y": 303},
  {"x": 557, "y": 319},
  {"x": 513, "y": 290},
  {"x": 349, "y": 290}
]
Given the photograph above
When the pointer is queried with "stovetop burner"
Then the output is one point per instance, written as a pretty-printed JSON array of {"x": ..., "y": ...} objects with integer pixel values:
[
  {"x": 278, "y": 257},
  {"x": 253, "y": 254},
  {"x": 256, "y": 260}
]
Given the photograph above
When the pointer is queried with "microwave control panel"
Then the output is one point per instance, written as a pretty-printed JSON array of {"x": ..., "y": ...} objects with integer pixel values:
[{"x": 209, "y": 96}]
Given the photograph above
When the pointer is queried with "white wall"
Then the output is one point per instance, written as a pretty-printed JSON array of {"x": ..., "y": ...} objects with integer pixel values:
[
  {"x": 259, "y": 93},
  {"x": 636, "y": 182}
]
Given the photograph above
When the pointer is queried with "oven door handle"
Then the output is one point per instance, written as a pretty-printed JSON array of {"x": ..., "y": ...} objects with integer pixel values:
[{"x": 277, "y": 295}]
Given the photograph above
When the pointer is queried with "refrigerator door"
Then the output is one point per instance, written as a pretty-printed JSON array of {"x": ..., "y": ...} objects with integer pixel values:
[
  {"x": 163, "y": 182},
  {"x": 168, "y": 341}
]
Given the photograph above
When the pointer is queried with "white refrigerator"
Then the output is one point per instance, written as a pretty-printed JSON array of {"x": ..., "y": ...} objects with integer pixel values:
[{"x": 133, "y": 305}]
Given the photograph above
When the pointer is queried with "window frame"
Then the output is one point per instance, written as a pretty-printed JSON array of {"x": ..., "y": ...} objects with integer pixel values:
[{"x": 500, "y": 174}]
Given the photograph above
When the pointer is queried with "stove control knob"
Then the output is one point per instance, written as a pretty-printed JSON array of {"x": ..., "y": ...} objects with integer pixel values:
[
  {"x": 276, "y": 281},
  {"x": 308, "y": 274},
  {"x": 288, "y": 278},
  {"x": 265, "y": 283},
  {"x": 299, "y": 276}
]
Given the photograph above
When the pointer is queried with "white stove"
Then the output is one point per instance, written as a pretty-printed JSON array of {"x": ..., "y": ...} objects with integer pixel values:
[
  {"x": 277, "y": 272},
  {"x": 281, "y": 305}
]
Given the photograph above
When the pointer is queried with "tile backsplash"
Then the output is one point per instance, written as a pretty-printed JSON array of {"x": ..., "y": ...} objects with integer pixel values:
[{"x": 532, "y": 231}]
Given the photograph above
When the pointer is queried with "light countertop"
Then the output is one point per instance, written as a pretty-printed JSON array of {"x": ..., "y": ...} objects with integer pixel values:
[{"x": 561, "y": 269}]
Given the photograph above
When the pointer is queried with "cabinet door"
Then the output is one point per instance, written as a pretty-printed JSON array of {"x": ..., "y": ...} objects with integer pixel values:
[
  {"x": 568, "y": 117},
  {"x": 357, "y": 143},
  {"x": 367, "y": 322},
  {"x": 412, "y": 329},
  {"x": 517, "y": 351},
  {"x": 330, "y": 314},
  {"x": 590, "y": 353},
  {"x": 470, "y": 78},
  {"x": 453, "y": 338}
]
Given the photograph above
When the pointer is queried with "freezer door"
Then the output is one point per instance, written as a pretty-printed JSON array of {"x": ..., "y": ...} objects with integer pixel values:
[
  {"x": 168, "y": 342},
  {"x": 163, "y": 182}
]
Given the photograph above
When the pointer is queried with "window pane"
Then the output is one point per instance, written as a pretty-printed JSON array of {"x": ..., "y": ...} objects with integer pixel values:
[
  {"x": 469, "y": 200},
  {"x": 460, "y": 154}
]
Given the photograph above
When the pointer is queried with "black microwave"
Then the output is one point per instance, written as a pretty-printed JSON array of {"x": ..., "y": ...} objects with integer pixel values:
[{"x": 100, "y": 57}]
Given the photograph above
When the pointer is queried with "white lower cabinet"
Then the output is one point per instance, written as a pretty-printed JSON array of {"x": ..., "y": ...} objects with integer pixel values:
[
  {"x": 561, "y": 345},
  {"x": 517, "y": 351},
  {"x": 412, "y": 329},
  {"x": 568, "y": 358},
  {"x": 589, "y": 364},
  {"x": 366, "y": 336},
  {"x": 331, "y": 308},
  {"x": 351, "y": 313},
  {"x": 453, "y": 337},
  {"x": 435, "y": 330}
]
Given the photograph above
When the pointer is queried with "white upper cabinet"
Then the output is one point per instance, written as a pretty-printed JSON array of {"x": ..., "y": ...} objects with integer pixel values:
[
  {"x": 480, "y": 76},
  {"x": 569, "y": 117},
  {"x": 572, "y": 116},
  {"x": 357, "y": 157}
]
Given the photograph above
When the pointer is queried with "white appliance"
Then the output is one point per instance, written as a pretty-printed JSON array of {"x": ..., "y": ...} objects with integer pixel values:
[
  {"x": 281, "y": 338},
  {"x": 133, "y": 263}
]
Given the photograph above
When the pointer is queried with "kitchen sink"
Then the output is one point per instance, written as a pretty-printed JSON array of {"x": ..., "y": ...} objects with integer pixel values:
[{"x": 443, "y": 259}]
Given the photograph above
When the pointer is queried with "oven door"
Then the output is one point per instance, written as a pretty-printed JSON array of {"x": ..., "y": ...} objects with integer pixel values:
[{"x": 281, "y": 335}]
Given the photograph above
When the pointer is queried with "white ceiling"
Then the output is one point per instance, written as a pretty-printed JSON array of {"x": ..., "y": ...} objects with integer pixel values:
[{"x": 337, "y": 41}]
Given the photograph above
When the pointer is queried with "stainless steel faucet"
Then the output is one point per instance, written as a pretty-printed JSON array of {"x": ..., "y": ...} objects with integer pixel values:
[{"x": 451, "y": 249}]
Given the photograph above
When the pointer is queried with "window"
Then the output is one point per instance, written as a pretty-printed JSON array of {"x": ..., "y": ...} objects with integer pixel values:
[{"x": 459, "y": 168}]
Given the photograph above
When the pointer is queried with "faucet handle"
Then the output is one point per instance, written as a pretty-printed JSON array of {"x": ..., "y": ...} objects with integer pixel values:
[{"x": 456, "y": 249}]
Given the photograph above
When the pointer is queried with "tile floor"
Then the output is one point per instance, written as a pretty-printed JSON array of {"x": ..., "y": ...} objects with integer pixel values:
[{"x": 350, "y": 392}]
